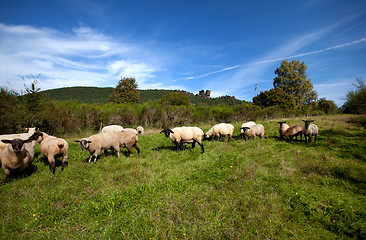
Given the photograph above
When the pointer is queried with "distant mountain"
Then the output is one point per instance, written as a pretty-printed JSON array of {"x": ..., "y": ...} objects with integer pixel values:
[{"x": 101, "y": 95}]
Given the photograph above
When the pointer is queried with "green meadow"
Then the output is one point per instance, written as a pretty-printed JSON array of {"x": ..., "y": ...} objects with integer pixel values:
[{"x": 254, "y": 189}]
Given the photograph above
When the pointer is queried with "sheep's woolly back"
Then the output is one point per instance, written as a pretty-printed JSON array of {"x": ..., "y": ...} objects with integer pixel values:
[
  {"x": 312, "y": 130},
  {"x": 247, "y": 124},
  {"x": 256, "y": 130},
  {"x": 282, "y": 128},
  {"x": 223, "y": 129},
  {"x": 112, "y": 128},
  {"x": 52, "y": 146},
  {"x": 292, "y": 131},
  {"x": 101, "y": 141}
]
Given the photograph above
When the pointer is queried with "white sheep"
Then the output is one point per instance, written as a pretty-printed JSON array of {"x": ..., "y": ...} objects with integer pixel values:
[
  {"x": 282, "y": 129},
  {"x": 52, "y": 147},
  {"x": 293, "y": 131},
  {"x": 185, "y": 135},
  {"x": 129, "y": 140},
  {"x": 247, "y": 124},
  {"x": 253, "y": 131},
  {"x": 98, "y": 142},
  {"x": 18, "y": 154},
  {"x": 219, "y": 130},
  {"x": 310, "y": 130},
  {"x": 140, "y": 130},
  {"x": 22, "y": 136},
  {"x": 112, "y": 128}
]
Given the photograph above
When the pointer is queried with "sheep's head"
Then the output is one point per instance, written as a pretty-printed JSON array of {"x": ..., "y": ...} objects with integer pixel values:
[
  {"x": 307, "y": 122},
  {"x": 281, "y": 123},
  {"x": 245, "y": 129},
  {"x": 84, "y": 143},
  {"x": 167, "y": 131},
  {"x": 16, "y": 144},
  {"x": 37, "y": 136}
]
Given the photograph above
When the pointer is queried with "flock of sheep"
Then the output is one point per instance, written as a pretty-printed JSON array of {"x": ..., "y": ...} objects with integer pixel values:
[{"x": 17, "y": 150}]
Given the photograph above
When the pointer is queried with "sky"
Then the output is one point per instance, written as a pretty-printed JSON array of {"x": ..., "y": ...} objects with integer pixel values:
[{"x": 224, "y": 46}]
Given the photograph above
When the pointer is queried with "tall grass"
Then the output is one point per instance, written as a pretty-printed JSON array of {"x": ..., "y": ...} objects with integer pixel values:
[{"x": 255, "y": 189}]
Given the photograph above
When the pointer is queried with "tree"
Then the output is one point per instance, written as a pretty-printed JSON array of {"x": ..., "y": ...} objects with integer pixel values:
[
  {"x": 274, "y": 97},
  {"x": 292, "y": 79},
  {"x": 327, "y": 106},
  {"x": 126, "y": 91},
  {"x": 175, "y": 98},
  {"x": 356, "y": 100}
]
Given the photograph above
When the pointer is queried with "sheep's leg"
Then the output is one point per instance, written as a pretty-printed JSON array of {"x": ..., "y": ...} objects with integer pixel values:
[
  {"x": 128, "y": 151},
  {"x": 315, "y": 138},
  {"x": 202, "y": 148},
  {"x": 64, "y": 161},
  {"x": 136, "y": 147},
  {"x": 7, "y": 174},
  {"x": 193, "y": 144},
  {"x": 51, "y": 160},
  {"x": 229, "y": 138}
]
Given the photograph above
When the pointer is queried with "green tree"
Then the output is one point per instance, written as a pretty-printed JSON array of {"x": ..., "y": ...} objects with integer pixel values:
[
  {"x": 356, "y": 100},
  {"x": 327, "y": 106},
  {"x": 175, "y": 98},
  {"x": 292, "y": 79},
  {"x": 274, "y": 97},
  {"x": 126, "y": 91}
]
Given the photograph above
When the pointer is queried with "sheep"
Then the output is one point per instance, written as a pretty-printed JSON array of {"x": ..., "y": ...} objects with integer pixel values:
[
  {"x": 98, "y": 142},
  {"x": 253, "y": 131},
  {"x": 219, "y": 130},
  {"x": 310, "y": 130},
  {"x": 112, "y": 128},
  {"x": 293, "y": 131},
  {"x": 247, "y": 124},
  {"x": 185, "y": 135},
  {"x": 18, "y": 154},
  {"x": 22, "y": 136},
  {"x": 52, "y": 147},
  {"x": 140, "y": 130},
  {"x": 283, "y": 127},
  {"x": 128, "y": 139}
]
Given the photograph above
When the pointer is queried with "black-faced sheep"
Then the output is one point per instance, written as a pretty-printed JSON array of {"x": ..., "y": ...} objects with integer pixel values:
[
  {"x": 185, "y": 135},
  {"x": 18, "y": 154},
  {"x": 22, "y": 136},
  {"x": 52, "y": 147},
  {"x": 247, "y": 124},
  {"x": 310, "y": 130},
  {"x": 253, "y": 131},
  {"x": 98, "y": 142}
]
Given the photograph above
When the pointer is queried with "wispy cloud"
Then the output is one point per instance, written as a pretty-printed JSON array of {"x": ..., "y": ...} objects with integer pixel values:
[{"x": 83, "y": 57}]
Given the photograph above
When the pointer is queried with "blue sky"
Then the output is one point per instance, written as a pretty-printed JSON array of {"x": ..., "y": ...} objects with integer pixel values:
[{"x": 224, "y": 46}]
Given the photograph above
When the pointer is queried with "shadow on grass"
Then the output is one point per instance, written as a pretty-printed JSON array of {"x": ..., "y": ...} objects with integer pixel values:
[{"x": 17, "y": 174}]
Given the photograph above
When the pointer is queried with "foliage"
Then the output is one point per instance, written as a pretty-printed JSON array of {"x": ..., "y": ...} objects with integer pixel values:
[
  {"x": 356, "y": 100},
  {"x": 126, "y": 91},
  {"x": 327, "y": 106},
  {"x": 257, "y": 189},
  {"x": 8, "y": 113},
  {"x": 292, "y": 79},
  {"x": 175, "y": 99},
  {"x": 80, "y": 94},
  {"x": 274, "y": 97}
]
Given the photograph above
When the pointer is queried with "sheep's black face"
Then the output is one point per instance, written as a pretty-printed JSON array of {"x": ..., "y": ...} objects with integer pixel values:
[
  {"x": 83, "y": 143},
  {"x": 166, "y": 131},
  {"x": 245, "y": 129},
  {"x": 16, "y": 144}
]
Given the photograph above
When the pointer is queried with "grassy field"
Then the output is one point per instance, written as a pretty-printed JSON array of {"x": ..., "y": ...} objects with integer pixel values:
[{"x": 257, "y": 189}]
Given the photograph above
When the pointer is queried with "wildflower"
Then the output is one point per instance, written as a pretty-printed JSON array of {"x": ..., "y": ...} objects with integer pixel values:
[
  {"x": 35, "y": 219},
  {"x": 231, "y": 166},
  {"x": 34, "y": 215}
]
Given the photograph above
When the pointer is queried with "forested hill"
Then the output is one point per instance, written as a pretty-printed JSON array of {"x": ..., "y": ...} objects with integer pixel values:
[{"x": 101, "y": 95}]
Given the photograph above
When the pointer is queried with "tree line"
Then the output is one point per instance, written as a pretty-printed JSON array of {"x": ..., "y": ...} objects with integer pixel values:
[{"x": 292, "y": 95}]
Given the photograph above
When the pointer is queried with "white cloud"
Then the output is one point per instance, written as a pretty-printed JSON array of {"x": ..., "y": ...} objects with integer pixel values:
[{"x": 84, "y": 57}]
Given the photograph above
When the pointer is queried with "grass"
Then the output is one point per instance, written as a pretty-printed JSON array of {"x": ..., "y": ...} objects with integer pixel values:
[{"x": 257, "y": 189}]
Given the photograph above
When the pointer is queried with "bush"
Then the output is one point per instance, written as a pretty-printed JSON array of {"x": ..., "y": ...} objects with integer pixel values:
[{"x": 356, "y": 100}]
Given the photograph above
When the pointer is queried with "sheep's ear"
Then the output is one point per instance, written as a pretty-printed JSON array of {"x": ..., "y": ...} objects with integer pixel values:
[
  {"x": 304, "y": 120},
  {"x": 77, "y": 140},
  {"x": 171, "y": 131},
  {"x": 6, "y": 141},
  {"x": 162, "y": 131},
  {"x": 89, "y": 141}
]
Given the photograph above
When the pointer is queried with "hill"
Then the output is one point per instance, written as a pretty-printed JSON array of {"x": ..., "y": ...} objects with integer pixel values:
[{"x": 101, "y": 95}]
